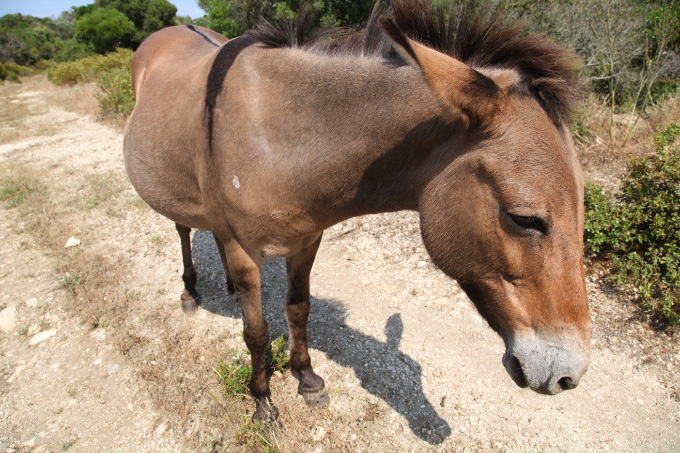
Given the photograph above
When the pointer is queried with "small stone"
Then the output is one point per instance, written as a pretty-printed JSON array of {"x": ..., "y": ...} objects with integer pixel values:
[
  {"x": 162, "y": 428},
  {"x": 8, "y": 318},
  {"x": 98, "y": 362},
  {"x": 98, "y": 334},
  {"x": 30, "y": 443},
  {"x": 16, "y": 374},
  {"x": 42, "y": 336},
  {"x": 669, "y": 366},
  {"x": 72, "y": 242},
  {"x": 318, "y": 433},
  {"x": 32, "y": 302},
  {"x": 114, "y": 369}
]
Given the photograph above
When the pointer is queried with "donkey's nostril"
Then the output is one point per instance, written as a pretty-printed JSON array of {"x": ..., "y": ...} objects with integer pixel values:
[
  {"x": 566, "y": 383},
  {"x": 515, "y": 368}
]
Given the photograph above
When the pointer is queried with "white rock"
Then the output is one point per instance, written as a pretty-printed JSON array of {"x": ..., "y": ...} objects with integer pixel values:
[
  {"x": 8, "y": 318},
  {"x": 98, "y": 334},
  {"x": 32, "y": 302},
  {"x": 72, "y": 242},
  {"x": 114, "y": 368},
  {"x": 318, "y": 433},
  {"x": 98, "y": 362},
  {"x": 42, "y": 336},
  {"x": 161, "y": 429},
  {"x": 16, "y": 374}
]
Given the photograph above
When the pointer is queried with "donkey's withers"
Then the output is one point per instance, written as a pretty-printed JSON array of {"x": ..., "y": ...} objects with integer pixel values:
[{"x": 267, "y": 145}]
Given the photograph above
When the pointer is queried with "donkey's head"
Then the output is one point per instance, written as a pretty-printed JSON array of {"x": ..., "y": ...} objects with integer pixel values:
[{"x": 502, "y": 213}]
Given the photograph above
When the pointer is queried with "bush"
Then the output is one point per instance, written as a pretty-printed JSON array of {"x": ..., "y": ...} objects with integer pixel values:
[
  {"x": 88, "y": 69},
  {"x": 42, "y": 65},
  {"x": 12, "y": 71},
  {"x": 639, "y": 228},
  {"x": 104, "y": 29},
  {"x": 117, "y": 97},
  {"x": 73, "y": 50}
]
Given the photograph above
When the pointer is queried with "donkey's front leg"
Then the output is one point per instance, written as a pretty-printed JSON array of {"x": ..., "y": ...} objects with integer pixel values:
[
  {"x": 299, "y": 267},
  {"x": 246, "y": 278}
]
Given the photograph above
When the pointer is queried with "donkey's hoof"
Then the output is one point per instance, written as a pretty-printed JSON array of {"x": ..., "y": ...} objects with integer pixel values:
[
  {"x": 189, "y": 302},
  {"x": 266, "y": 413},
  {"x": 316, "y": 399}
]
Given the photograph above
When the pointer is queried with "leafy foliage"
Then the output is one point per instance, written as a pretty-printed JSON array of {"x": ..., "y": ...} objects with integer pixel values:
[
  {"x": 639, "y": 228},
  {"x": 112, "y": 74},
  {"x": 27, "y": 39},
  {"x": 147, "y": 16},
  {"x": 117, "y": 97},
  {"x": 88, "y": 69},
  {"x": 104, "y": 29},
  {"x": 233, "y": 17}
]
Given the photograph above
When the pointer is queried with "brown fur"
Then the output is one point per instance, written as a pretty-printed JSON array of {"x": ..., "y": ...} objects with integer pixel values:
[{"x": 267, "y": 146}]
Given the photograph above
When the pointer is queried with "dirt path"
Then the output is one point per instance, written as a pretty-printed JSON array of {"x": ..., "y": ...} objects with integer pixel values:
[{"x": 408, "y": 362}]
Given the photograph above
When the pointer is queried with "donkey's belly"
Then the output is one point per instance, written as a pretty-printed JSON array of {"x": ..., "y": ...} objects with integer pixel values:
[{"x": 165, "y": 179}]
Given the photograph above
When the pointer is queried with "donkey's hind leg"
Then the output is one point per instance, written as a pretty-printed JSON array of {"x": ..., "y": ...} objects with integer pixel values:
[
  {"x": 227, "y": 273},
  {"x": 190, "y": 297},
  {"x": 299, "y": 267}
]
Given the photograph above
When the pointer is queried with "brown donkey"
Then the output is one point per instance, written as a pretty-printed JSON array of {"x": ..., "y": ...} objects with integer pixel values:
[{"x": 266, "y": 141}]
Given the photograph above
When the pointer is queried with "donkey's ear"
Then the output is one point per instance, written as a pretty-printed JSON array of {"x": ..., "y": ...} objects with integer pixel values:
[{"x": 458, "y": 87}]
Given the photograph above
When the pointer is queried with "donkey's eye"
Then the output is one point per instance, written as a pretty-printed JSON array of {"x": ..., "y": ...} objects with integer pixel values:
[{"x": 529, "y": 223}]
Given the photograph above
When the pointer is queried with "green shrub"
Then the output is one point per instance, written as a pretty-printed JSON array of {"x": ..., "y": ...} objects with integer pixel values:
[
  {"x": 639, "y": 229},
  {"x": 42, "y": 65},
  {"x": 88, "y": 69},
  {"x": 117, "y": 97},
  {"x": 3, "y": 71},
  {"x": 73, "y": 50}
]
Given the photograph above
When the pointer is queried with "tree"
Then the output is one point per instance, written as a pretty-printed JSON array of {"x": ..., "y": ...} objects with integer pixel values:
[
  {"x": 159, "y": 14},
  {"x": 147, "y": 16},
  {"x": 26, "y": 39},
  {"x": 105, "y": 29}
]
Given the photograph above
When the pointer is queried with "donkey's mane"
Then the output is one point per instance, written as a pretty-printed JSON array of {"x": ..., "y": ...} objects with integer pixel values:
[{"x": 476, "y": 34}]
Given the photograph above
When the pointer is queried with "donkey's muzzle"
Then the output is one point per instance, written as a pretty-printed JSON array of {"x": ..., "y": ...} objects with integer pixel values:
[{"x": 547, "y": 367}]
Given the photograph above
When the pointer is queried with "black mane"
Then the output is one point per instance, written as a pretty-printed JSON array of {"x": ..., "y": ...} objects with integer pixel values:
[{"x": 476, "y": 34}]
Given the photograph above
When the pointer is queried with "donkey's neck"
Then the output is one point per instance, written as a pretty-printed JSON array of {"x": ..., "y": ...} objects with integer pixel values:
[{"x": 349, "y": 135}]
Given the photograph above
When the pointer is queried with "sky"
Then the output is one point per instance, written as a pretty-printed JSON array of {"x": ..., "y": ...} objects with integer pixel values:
[{"x": 53, "y": 8}]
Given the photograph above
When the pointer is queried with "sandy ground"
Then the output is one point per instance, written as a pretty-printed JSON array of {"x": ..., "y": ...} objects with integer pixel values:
[{"x": 408, "y": 362}]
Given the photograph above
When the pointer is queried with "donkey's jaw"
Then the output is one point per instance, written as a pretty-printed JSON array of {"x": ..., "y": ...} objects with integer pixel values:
[{"x": 547, "y": 367}]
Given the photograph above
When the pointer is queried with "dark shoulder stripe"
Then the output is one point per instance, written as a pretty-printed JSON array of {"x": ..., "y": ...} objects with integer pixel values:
[{"x": 218, "y": 72}]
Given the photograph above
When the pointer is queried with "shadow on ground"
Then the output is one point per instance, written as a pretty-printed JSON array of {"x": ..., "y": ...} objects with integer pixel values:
[{"x": 380, "y": 367}]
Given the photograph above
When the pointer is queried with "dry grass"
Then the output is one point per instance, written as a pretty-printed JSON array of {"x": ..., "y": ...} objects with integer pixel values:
[
  {"x": 601, "y": 161},
  {"x": 100, "y": 189}
]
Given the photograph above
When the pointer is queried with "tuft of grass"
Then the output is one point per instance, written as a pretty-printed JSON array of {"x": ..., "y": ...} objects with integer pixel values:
[
  {"x": 276, "y": 356},
  {"x": 235, "y": 376},
  {"x": 71, "y": 282},
  {"x": 16, "y": 185},
  {"x": 101, "y": 189},
  {"x": 254, "y": 436}
]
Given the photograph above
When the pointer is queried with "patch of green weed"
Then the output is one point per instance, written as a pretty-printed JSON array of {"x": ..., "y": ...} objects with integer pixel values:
[
  {"x": 638, "y": 230},
  {"x": 16, "y": 186}
]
